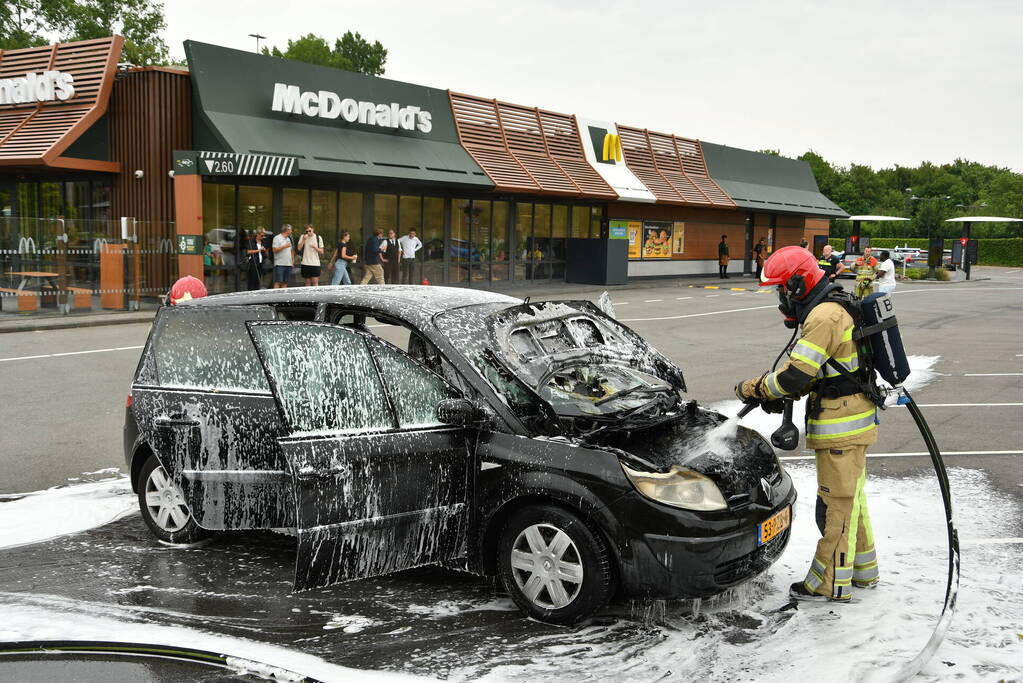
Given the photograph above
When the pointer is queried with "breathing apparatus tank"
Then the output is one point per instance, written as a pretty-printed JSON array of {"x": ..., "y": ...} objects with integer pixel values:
[{"x": 879, "y": 328}]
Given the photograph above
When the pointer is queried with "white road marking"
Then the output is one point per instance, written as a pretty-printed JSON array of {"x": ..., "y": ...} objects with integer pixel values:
[
  {"x": 710, "y": 295},
  {"x": 737, "y": 293},
  {"x": 695, "y": 315},
  {"x": 72, "y": 353},
  {"x": 909, "y": 455},
  {"x": 1012, "y": 271},
  {"x": 993, "y": 374},
  {"x": 653, "y": 301},
  {"x": 620, "y": 303},
  {"x": 683, "y": 298}
]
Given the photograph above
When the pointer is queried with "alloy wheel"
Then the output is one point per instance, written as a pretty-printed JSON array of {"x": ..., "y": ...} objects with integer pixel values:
[
  {"x": 547, "y": 566},
  {"x": 164, "y": 501}
]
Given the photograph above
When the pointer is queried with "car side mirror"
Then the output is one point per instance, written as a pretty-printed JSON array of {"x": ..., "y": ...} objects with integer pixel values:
[{"x": 457, "y": 411}]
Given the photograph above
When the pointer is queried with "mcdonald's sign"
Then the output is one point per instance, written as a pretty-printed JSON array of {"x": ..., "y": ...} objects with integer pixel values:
[{"x": 612, "y": 148}]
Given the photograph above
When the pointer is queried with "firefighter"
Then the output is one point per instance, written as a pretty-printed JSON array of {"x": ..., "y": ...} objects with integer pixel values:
[
  {"x": 185, "y": 289},
  {"x": 865, "y": 268},
  {"x": 841, "y": 420},
  {"x": 830, "y": 263}
]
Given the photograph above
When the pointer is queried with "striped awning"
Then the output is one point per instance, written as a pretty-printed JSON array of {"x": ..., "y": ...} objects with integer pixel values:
[{"x": 232, "y": 163}]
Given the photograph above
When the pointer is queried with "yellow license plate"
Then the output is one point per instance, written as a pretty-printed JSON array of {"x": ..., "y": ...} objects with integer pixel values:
[{"x": 774, "y": 525}]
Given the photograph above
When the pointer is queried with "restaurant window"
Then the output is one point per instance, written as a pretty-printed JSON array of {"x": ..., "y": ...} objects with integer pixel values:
[
  {"x": 461, "y": 217},
  {"x": 581, "y": 221},
  {"x": 324, "y": 215},
  {"x": 385, "y": 212},
  {"x": 559, "y": 240},
  {"x": 523, "y": 241},
  {"x": 219, "y": 227},
  {"x": 541, "y": 240},
  {"x": 28, "y": 200},
  {"x": 295, "y": 208},
  {"x": 596, "y": 222},
  {"x": 433, "y": 239},
  {"x": 499, "y": 241},
  {"x": 351, "y": 217},
  {"x": 480, "y": 240},
  {"x": 51, "y": 201},
  {"x": 100, "y": 201},
  {"x": 76, "y": 195},
  {"x": 410, "y": 214}
]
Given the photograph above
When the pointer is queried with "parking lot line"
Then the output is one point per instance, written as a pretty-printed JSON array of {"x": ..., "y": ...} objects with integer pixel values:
[
  {"x": 909, "y": 455},
  {"x": 993, "y": 374},
  {"x": 695, "y": 315},
  {"x": 683, "y": 298},
  {"x": 72, "y": 353},
  {"x": 964, "y": 405},
  {"x": 653, "y": 301}
]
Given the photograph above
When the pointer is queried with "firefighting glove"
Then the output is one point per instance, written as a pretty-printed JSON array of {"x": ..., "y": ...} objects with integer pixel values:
[
  {"x": 775, "y": 406},
  {"x": 747, "y": 390}
]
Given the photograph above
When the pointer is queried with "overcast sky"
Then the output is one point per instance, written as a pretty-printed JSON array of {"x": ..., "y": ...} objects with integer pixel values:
[{"x": 877, "y": 83}]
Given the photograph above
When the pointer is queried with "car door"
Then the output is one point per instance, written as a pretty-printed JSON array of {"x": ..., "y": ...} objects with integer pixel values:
[
  {"x": 212, "y": 420},
  {"x": 380, "y": 484}
]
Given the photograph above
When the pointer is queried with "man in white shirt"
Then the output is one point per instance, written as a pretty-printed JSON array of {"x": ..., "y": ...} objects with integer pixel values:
[
  {"x": 885, "y": 274},
  {"x": 284, "y": 257},
  {"x": 409, "y": 244}
]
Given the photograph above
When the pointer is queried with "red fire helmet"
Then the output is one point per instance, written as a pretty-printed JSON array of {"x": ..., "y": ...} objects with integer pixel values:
[
  {"x": 187, "y": 288},
  {"x": 790, "y": 261}
]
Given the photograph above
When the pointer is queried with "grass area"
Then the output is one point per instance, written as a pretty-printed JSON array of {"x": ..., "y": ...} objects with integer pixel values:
[{"x": 921, "y": 274}]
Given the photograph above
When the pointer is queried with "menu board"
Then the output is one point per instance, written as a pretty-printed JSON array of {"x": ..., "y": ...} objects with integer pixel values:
[
  {"x": 657, "y": 241},
  {"x": 635, "y": 229}
]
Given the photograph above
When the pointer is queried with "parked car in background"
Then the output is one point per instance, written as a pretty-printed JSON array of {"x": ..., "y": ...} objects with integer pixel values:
[
  {"x": 848, "y": 262},
  {"x": 393, "y": 427}
]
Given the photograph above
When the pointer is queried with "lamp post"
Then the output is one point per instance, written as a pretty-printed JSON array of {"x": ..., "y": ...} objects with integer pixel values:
[{"x": 258, "y": 38}]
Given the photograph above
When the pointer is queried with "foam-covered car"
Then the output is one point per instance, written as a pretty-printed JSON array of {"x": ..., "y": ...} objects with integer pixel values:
[{"x": 393, "y": 427}]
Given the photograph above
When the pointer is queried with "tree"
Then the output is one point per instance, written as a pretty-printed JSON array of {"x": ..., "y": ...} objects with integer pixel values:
[
  {"x": 351, "y": 52},
  {"x": 28, "y": 23}
]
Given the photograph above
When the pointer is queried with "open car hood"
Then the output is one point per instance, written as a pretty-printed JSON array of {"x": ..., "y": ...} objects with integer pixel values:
[{"x": 579, "y": 333}]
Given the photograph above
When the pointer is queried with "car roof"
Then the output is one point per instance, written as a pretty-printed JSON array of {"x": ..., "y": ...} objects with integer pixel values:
[{"x": 417, "y": 304}]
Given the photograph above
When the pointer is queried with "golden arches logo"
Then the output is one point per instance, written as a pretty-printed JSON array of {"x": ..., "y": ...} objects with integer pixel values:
[{"x": 612, "y": 148}]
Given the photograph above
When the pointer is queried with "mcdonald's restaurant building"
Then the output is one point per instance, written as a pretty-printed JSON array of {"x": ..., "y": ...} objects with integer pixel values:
[{"x": 500, "y": 193}]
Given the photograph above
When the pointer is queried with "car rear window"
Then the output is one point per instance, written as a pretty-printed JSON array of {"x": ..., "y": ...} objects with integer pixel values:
[{"x": 209, "y": 349}]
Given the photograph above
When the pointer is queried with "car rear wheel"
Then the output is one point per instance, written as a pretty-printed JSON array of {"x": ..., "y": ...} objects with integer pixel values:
[
  {"x": 163, "y": 506},
  {"x": 555, "y": 568}
]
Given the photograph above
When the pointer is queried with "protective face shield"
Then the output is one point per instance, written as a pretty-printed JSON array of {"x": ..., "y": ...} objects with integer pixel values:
[{"x": 794, "y": 288}]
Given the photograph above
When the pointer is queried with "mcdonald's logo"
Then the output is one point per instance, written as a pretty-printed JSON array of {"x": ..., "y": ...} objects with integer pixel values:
[{"x": 612, "y": 148}]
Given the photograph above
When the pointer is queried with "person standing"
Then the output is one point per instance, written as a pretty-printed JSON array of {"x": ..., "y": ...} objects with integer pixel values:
[
  {"x": 410, "y": 245},
  {"x": 255, "y": 251},
  {"x": 885, "y": 273},
  {"x": 865, "y": 268},
  {"x": 310, "y": 246},
  {"x": 723, "y": 257},
  {"x": 372, "y": 259},
  {"x": 392, "y": 255},
  {"x": 759, "y": 254},
  {"x": 830, "y": 263},
  {"x": 841, "y": 421},
  {"x": 284, "y": 257},
  {"x": 342, "y": 257}
]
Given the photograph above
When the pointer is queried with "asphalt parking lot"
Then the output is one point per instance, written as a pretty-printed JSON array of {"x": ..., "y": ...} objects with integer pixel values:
[{"x": 63, "y": 417}]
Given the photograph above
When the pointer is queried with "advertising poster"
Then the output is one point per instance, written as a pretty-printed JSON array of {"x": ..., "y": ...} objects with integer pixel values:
[
  {"x": 656, "y": 240},
  {"x": 635, "y": 229},
  {"x": 618, "y": 229},
  {"x": 678, "y": 240}
]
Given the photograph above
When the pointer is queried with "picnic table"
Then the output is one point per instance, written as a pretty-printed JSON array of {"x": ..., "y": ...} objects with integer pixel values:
[{"x": 28, "y": 275}]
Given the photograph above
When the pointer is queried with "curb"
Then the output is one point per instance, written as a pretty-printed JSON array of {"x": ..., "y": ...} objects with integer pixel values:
[{"x": 64, "y": 324}]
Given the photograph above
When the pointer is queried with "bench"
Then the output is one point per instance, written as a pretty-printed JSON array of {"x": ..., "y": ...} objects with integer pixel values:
[
  {"x": 18, "y": 300},
  {"x": 82, "y": 297}
]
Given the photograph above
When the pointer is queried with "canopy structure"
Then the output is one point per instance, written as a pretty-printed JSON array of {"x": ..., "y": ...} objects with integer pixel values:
[
  {"x": 873, "y": 218},
  {"x": 984, "y": 219}
]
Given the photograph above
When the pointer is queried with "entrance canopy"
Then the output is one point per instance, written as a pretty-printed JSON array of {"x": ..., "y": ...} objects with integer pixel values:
[
  {"x": 874, "y": 218},
  {"x": 984, "y": 219},
  {"x": 331, "y": 121}
]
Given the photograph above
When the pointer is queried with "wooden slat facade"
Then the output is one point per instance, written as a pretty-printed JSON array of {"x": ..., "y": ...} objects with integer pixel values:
[
  {"x": 38, "y": 133},
  {"x": 526, "y": 150},
  {"x": 673, "y": 168}
]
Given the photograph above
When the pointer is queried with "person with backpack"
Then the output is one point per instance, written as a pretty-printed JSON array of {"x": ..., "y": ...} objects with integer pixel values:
[{"x": 826, "y": 364}]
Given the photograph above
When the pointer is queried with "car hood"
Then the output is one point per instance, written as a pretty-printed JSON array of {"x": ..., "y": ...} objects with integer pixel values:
[{"x": 737, "y": 464}]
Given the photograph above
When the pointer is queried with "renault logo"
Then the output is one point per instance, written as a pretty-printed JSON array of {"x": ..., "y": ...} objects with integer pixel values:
[{"x": 612, "y": 147}]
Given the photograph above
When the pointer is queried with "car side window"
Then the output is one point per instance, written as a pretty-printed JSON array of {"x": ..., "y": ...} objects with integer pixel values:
[
  {"x": 209, "y": 349},
  {"x": 414, "y": 390},
  {"x": 324, "y": 377}
]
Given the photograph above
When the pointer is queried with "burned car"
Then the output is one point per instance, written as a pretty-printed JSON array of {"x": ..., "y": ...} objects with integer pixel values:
[{"x": 393, "y": 427}]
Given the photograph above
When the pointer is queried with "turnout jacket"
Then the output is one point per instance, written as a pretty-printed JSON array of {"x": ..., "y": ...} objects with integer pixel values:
[{"x": 827, "y": 332}]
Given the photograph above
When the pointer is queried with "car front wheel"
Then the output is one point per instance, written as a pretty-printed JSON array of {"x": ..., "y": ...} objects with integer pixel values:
[
  {"x": 163, "y": 506},
  {"x": 555, "y": 568}
]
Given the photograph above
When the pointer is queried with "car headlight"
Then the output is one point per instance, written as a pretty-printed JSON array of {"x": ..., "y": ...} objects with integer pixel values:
[{"x": 679, "y": 488}]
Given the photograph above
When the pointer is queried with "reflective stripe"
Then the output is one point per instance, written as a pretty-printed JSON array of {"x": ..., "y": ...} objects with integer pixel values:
[
  {"x": 865, "y": 557},
  {"x": 866, "y": 574},
  {"x": 847, "y": 334},
  {"x": 815, "y": 577},
  {"x": 843, "y": 574},
  {"x": 835, "y": 427},
  {"x": 774, "y": 389},
  {"x": 810, "y": 353}
]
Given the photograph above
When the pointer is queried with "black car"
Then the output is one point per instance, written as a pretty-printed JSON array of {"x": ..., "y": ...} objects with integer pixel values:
[{"x": 542, "y": 442}]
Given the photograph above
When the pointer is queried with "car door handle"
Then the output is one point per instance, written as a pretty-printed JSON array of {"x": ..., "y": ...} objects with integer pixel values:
[{"x": 176, "y": 421}]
